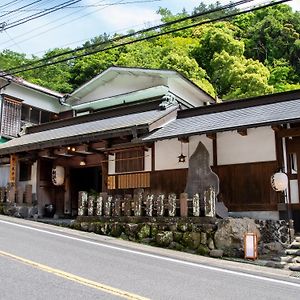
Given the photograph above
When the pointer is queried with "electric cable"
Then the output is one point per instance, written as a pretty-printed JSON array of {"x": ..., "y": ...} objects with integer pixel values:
[{"x": 230, "y": 5}]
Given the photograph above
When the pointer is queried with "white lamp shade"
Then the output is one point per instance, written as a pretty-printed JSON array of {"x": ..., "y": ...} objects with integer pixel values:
[
  {"x": 279, "y": 181},
  {"x": 58, "y": 175}
]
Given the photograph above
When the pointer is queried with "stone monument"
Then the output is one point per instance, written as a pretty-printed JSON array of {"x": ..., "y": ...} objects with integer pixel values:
[{"x": 200, "y": 175}]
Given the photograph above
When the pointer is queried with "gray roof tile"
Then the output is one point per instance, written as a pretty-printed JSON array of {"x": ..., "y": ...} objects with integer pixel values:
[
  {"x": 221, "y": 121},
  {"x": 79, "y": 130}
]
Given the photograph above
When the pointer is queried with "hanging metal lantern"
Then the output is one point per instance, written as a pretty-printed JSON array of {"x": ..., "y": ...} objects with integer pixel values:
[
  {"x": 58, "y": 175},
  {"x": 279, "y": 181}
]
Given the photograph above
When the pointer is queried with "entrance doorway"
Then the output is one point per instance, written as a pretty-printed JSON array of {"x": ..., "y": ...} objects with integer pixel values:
[
  {"x": 293, "y": 172},
  {"x": 84, "y": 179}
]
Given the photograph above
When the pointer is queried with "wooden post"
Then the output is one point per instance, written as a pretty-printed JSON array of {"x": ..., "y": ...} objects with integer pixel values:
[{"x": 183, "y": 205}]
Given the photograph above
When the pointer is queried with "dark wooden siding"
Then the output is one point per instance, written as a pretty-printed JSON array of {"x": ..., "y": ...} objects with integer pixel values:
[
  {"x": 247, "y": 186},
  {"x": 168, "y": 181}
]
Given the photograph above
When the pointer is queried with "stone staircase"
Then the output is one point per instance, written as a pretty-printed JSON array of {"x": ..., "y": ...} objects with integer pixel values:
[{"x": 292, "y": 257}]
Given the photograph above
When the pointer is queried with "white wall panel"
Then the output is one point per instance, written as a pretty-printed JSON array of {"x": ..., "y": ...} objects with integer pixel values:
[
  {"x": 258, "y": 145},
  {"x": 167, "y": 152}
]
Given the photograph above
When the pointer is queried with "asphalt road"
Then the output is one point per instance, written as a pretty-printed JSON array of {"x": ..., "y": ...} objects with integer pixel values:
[{"x": 39, "y": 261}]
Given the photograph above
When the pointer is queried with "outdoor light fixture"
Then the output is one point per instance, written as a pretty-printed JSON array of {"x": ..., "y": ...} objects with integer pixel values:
[
  {"x": 279, "y": 181},
  {"x": 181, "y": 157},
  {"x": 82, "y": 163},
  {"x": 58, "y": 175}
]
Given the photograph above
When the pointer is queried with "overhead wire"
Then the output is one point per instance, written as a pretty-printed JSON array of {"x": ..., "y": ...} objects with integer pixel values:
[
  {"x": 10, "y": 3},
  {"x": 39, "y": 15},
  {"x": 32, "y": 67},
  {"x": 27, "y": 5},
  {"x": 57, "y": 26},
  {"x": 227, "y": 6}
]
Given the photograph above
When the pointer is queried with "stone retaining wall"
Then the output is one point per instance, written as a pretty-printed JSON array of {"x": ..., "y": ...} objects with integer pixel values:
[{"x": 204, "y": 236}]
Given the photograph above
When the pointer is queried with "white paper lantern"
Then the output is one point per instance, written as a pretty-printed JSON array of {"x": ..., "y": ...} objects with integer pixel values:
[
  {"x": 279, "y": 181},
  {"x": 58, "y": 175}
]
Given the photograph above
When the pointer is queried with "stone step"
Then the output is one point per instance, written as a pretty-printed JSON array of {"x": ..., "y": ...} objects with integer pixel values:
[
  {"x": 295, "y": 245},
  {"x": 295, "y": 267},
  {"x": 287, "y": 259},
  {"x": 295, "y": 252}
]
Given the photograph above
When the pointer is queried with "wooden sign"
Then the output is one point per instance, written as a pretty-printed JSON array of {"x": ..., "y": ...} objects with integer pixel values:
[
  {"x": 13, "y": 168},
  {"x": 250, "y": 245}
]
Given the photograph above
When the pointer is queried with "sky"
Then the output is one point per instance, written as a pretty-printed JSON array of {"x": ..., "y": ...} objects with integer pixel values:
[{"x": 71, "y": 27}]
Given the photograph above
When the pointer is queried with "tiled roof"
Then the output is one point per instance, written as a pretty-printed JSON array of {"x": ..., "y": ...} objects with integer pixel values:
[
  {"x": 61, "y": 136},
  {"x": 279, "y": 112}
]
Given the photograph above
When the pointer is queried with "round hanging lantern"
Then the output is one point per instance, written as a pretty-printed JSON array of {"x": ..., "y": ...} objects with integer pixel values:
[
  {"x": 279, "y": 181},
  {"x": 58, "y": 175}
]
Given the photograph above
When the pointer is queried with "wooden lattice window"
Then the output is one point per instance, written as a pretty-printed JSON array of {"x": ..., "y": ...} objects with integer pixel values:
[
  {"x": 130, "y": 161},
  {"x": 11, "y": 117}
]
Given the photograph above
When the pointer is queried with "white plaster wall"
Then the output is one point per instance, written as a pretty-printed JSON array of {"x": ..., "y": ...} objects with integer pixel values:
[
  {"x": 258, "y": 145},
  {"x": 122, "y": 85},
  {"x": 34, "y": 98},
  {"x": 4, "y": 175},
  {"x": 294, "y": 192},
  {"x": 167, "y": 152}
]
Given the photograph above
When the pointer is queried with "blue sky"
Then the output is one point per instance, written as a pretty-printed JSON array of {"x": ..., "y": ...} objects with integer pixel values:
[{"x": 71, "y": 27}]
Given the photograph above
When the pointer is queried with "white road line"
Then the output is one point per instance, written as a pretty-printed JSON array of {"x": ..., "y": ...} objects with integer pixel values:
[{"x": 174, "y": 260}]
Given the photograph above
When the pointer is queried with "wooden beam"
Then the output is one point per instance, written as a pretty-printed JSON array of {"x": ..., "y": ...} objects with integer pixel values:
[
  {"x": 183, "y": 139},
  {"x": 290, "y": 132},
  {"x": 63, "y": 152},
  {"x": 101, "y": 145},
  {"x": 276, "y": 127},
  {"x": 211, "y": 136},
  {"x": 47, "y": 153},
  {"x": 242, "y": 132}
]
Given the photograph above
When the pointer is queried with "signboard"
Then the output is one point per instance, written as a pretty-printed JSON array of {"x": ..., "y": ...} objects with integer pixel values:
[
  {"x": 250, "y": 245},
  {"x": 13, "y": 168}
]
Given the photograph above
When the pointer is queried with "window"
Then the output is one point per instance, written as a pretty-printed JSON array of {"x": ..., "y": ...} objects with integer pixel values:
[
  {"x": 35, "y": 115},
  {"x": 11, "y": 117},
  {"x": 24, "y": 171},
  {"x": 130, "y": 161}
]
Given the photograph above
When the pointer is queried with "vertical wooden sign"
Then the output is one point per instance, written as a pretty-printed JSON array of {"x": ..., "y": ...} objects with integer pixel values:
[{"x": 13, "y": 168}]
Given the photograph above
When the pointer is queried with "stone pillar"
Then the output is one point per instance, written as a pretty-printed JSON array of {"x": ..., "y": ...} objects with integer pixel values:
[
  {"x": 82, "y": 203},
  {"x": 99, "y": 205},
  {"x": 117, "y": 206},
  {"x": 196, "y": 205},
  {"x": 149, "y": 205},
  {"x": 160, "y": 205},
  {"x": 90, "y": 209},
  {"x": 127, "y": 205},
  {"x": 107, "y": 206},
  {"x": 172, "y": 204},
  {"x": 2, "y": 194},
  {"x": 210, "y": 202},
  {"x": 137, "y": 201},
  {"x": 183, "y": 205}
]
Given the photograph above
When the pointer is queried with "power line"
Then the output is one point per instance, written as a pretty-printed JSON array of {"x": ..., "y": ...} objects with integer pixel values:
[
  {"x": 91, "y": 5},
  {"x": 227, "y": 6},
  {"x": 27, "y": 5},
  {"x": 39, "y": 15},
  {"x": 142, "y": 39},
  {"x": 9, "y": 3},
  {"x": 61, "y": 24}
]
